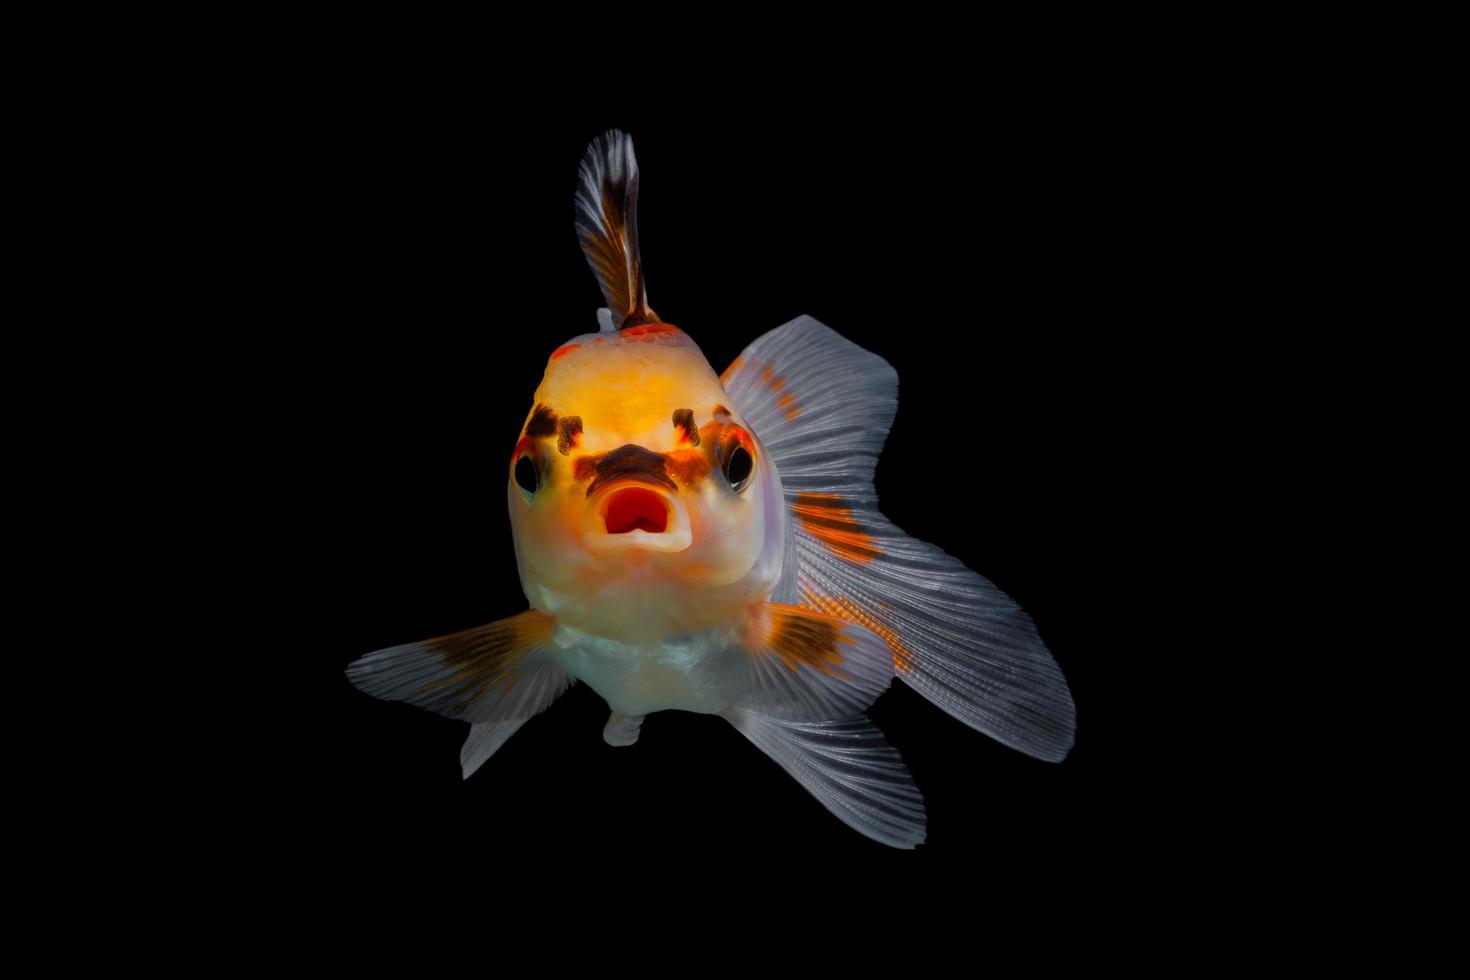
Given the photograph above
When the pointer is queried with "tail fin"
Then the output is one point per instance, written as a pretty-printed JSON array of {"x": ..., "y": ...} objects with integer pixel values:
[
  {"x": 607, "y": 225},
  {"x": 822, "y": 407}
]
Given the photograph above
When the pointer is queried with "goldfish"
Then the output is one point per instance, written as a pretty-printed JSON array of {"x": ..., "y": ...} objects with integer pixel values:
[{"x": 712, "y": 543}]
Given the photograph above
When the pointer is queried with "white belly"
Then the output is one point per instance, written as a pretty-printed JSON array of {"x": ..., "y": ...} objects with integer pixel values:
[{"x": 690, "y": 673}]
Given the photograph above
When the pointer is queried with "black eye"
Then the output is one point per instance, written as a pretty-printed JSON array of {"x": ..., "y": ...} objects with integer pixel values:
[
  {"x": 738, "y": 468},
  {"x": 526, "y": 474}
]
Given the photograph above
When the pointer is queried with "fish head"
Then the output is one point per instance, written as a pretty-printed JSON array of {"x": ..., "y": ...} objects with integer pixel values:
[{"x": 640, "y": 502}]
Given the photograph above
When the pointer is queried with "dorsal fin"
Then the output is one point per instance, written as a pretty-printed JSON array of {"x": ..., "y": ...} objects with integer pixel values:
[{"x": 607, "y": 225}]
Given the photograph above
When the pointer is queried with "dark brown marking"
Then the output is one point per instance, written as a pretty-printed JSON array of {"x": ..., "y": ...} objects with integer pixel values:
[
  {"x": 543, "y": 422},
  {"x": 487, "y": 657},
  {"x": 630, "y": 461},
  {"x": 721, "y": 410},
  {"x": 568, "y": 428},
  {"x": 800, "y": 637},
  {"x": 684, "y": 419}
]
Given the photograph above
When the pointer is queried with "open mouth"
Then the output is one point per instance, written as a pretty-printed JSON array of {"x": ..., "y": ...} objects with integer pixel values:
[
  {"x": 634, "y": 515},
  {"x": 636, "y": 509}
]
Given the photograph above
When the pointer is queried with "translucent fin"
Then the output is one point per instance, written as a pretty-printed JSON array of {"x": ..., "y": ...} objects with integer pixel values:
[
  {"x": 607, "y": 226},
  {"x": 823, "y": 406},
  {"x": 493, "y": 673},
  {"x": 801, "y": 665},
  {"x": 485, "y": 740},
  {"x": 847, "y": 765},
  {"x": 820, "y": 403}
]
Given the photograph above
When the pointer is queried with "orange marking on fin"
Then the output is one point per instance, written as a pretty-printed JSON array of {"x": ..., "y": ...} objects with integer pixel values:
[
  {"x": 849, "y": 611},
  {"x": 488, "y": 657},
  {"x": 564, "y": 350},
  {"x": 799, "y": 637},
  {"x": 735, "y": 365},
  {"x": 824, "y": 518},
  {"x": 787, "y": 402}
]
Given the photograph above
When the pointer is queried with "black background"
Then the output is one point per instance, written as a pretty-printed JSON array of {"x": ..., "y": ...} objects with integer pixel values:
[{"x": 1015, "y": 255}]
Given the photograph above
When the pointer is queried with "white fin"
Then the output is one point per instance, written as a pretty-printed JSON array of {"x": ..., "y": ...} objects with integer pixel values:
[
  {"x": 605, "y": 321},
  {"x": 485, "y": 739},
  {"x": 607, "y": 225},
  {"x": 802, "y": 665},
  {"x": 493, "y": 673},
  {"x": 820, "y": 404},
  {"x": 849, "y": 767},
  {"x": 822, "y": 407}
]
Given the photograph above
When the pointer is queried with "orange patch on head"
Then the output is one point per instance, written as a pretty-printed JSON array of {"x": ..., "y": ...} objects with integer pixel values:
[
  {"x": 648, "y": 328},
  {"x": 585, "y": 468},
  {"x": 564, "y": 350},
  {"x": 525, "y": 443},
  {"x": 849, "y": 611},
  {"x": 688, "y": 466},
  {"x": 823, "y": 516}
]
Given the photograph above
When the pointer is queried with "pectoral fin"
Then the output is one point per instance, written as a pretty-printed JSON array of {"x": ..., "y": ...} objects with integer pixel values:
[
  {"x": 485, "y": 740},
  {"x": 803, "y": 665},
  {"x": 495, "y": 676}
]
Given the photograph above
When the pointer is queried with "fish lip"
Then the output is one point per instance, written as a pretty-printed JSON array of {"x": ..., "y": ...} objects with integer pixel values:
[
  {"x": 631, "y": 462},
  {"x": 676, "y": 536}
]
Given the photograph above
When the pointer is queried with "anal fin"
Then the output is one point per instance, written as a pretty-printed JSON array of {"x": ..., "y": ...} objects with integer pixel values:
[{"x": 849, "y": 767}]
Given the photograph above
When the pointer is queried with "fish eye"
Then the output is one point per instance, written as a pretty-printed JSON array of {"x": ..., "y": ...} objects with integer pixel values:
[
  {"x": 525, "y": 474},
  {"x": 738, "y": 468}
]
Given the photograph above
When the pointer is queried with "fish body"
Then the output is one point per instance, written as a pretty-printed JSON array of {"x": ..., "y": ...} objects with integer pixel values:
[{"x": 712, "y": 543}]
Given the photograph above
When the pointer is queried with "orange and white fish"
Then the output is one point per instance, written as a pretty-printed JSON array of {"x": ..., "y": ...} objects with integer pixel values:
[{"x": 713, "y": 543}]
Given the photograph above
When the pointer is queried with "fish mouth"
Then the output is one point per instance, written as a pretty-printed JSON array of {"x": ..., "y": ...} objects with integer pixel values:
[{"x": 638, "y": 513}]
